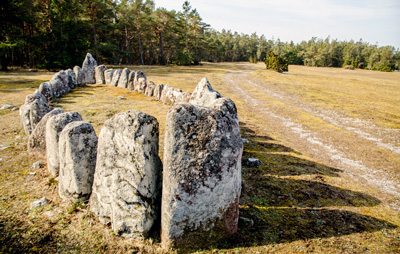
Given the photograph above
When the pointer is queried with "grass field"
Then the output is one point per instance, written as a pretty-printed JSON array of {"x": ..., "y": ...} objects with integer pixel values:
[{"x": 329, "y": 140}]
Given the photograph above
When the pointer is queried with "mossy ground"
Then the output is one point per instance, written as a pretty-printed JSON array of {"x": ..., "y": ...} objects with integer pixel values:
[{"x": 298, "y": 204}]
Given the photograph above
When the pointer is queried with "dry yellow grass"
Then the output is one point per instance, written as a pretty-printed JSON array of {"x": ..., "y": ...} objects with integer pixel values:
[{"x": 300, "y": 199}]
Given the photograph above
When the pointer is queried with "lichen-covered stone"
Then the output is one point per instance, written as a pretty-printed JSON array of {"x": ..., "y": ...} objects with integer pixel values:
[
  {"x": 80, "y": 76},
  {"x": 204, "y": 94},
  {"x": 127, "y": 182},
  {"x": 123, "y": 79},
  {"x": 37, "y": 140},
  {"x": 54, "y": 126},
  {"x": 201, "y": 176},
  {"x": 77, "y": 150},
  {"x": 88, "y": 67},
  {"x": 131, "y": 81},
  {"x": 108, "y": 76},
  {"x": 150, "y": 89},
  {"x": 115, "y": 78},
  {"x": 140, "y": 82},
  {"x": 33, "y": 110},
  {"x": 59, "y": 84},
  {"x": 158, "y": 91},
  {"x": 45, "y": 89},
  {"x": 171, "y": 95},
  {"x": 71, "y": 78},
  {"x": 99, "y": 74}
]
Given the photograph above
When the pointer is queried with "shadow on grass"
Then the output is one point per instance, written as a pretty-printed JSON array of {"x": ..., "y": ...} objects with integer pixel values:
[{"x": 285, "y": 209}]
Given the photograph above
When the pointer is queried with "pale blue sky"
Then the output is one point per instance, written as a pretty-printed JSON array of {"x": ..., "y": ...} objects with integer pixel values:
[{"x": 375, "y": 21}]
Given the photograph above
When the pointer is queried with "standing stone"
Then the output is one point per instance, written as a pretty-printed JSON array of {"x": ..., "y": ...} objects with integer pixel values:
[
  {"x": 171, "y": 95},
  {"x": 201, "y": 177},
  {"x": 54, "y": 126},
  {"x": 78, "y": 150},
  {"x": 127, "y": 181},
  {"x": 158, "y": 91},
  {"x": 99, "y": 74},
  {"x": 59, "y": 84},
  {"x": 33, "y": 110},
  {"x": 140, "y": 82},
  {"x": 88, "y": 67},
  {"x": 116, "y": 76},
  {"x": 150, "y": 89},
  {"x": 37, "y": 140},
  {"x": 108, "y": 75},
  {"x": 204, "y": 94},
  {"x": 80, "y": 76},
  {"x": 71, "y": 78},
  {"x": 183, "y": 97},
  {"x": 45, "y": 89},
  {"x": 131, "y": 81},
  {"x": 123, "y": 80}
]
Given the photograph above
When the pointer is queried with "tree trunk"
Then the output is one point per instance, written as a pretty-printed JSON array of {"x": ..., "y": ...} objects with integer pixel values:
[
  {"x": 4, "y": 63},
  {"x": 162, "y": 62},
  {"x": 127, "y": 45},
  {"x": 140, "y": 49}
]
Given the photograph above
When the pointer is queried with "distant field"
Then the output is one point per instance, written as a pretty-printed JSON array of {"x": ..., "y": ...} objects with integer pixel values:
[{"x": 329, "y": 140}]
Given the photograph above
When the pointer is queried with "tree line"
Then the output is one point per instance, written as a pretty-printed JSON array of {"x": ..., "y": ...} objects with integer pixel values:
[{"x": 54, "y": 34}]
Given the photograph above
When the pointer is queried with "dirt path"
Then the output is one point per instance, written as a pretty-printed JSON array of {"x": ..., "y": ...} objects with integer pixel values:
[{"x": 361, "y": 149}]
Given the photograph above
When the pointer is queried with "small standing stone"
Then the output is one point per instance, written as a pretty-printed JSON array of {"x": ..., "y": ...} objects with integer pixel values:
[
  {"x": 99, "y": 74},
  {"x": 54, "y": 126},
  {"x": 71, "y": 78},
  {"x": 131, "y": 81},
  {"x": 88, "y": 67},
  {"x": 140, "y": 82},
  {"x": 80, "y": 76},
  {"x": 108, "y": 76},
  {"x": 150, "y": 89},
  {"x": 77, "y": 149},
  {"x": 116, "y": 76},
  {"x": 123, "y": 80},
  {"x": 158, "y": 91},
  {"x": 45, "y": 89}
]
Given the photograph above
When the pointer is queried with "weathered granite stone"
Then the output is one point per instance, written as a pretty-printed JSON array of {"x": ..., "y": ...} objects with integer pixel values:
[
  {"x": 59, "y": 84},
  {"x": 7, "y": 106},
  {"x": 37, "y": 140},
  {"x": 140, "y": 82},
  {"x": 41, "y": 202},
  {"x": 123, "y": 79},
  {"x": 45, "y": 89},
  {"x": 201, "y": 176},
  {"x": 88, "y": 67},
  {"x": 80, "y": 76},
  {"x": 150, "y": 89},
  {"x": 131, "y": 81},
  {"x": 171, "y": 95},
  {"x": 184, "y": 97},
  {"x": 108, "y": 76},
  {"x": 33, "y": 110},
  {"x": 38, "y": 164},
  {"x": 115, "y": 78},
  {"x": 71, "y": 78},
  {"x": 252, "y": 162},
  {"x": 99, "y": 74},
  {"x": 204, "y": 94},
  {"x": 127, "y": 182},
  {"x": 54, "y": 126},
  {"x": 77, "y": 149},
  {"x": 158, "y": 91}
]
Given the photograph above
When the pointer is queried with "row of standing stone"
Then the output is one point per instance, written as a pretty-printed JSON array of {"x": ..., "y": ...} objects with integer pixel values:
[{"x": 196, "y": 193}]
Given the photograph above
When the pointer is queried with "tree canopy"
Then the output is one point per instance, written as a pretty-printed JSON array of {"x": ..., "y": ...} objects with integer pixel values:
[{"x": 53, "y": 34}]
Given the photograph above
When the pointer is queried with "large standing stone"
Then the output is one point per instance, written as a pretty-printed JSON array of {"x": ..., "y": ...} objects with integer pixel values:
[
  {"x": 140, "y": 82},
  {"x": 158, "y": 91},
  {"x": 108, "y": 76},
  {"x": 37, "y": 140},
  {"x": 150, "y": 89},
  {"x": 45, "y": 89},
  {"x": 116, "y": 76},
  {"x": 80, "y": 76},
  {"x": 77, "y": 149},
  {"x": 131, "y": 81},
  {"x": 88, "y": 67},
  {"x": 204, "y": 94},
  {"x": 123, "y": 80},
  {"x": 127, "y": 182},
  {"x": 54, "y": 126},
  {"x": 99, "y": 74},
  {"x": 201, "y": 176},
  {"x": 71, "y": 78},
  {"x": 59, "y": 84},
  {"x": 33, "y": 110}
]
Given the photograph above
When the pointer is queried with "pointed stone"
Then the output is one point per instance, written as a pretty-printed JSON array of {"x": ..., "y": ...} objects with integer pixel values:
[
  {"x": 88, "y": 67},
  {"x": 123, "y": 79}
]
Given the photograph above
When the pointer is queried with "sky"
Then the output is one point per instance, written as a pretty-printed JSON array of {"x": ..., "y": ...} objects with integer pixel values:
[{"x": 373, "y": 21}]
